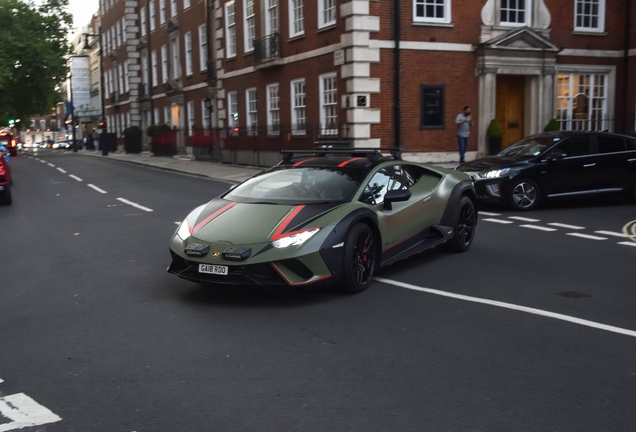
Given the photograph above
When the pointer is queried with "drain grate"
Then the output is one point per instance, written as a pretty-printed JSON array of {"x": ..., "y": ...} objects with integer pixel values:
[{"x": 574, "y": 295}]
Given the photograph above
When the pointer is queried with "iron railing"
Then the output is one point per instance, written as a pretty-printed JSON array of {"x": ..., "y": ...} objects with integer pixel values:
[{"x": 267, "y": 48}]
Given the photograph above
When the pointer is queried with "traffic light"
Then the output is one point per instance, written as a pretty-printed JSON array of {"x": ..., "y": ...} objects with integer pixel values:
[
  {"x": 11, "y": 122},
  {"x": 102, "y": 124}
]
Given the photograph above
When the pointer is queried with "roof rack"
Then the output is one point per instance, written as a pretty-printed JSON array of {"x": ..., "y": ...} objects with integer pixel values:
[{"x": 373, "y": 154}]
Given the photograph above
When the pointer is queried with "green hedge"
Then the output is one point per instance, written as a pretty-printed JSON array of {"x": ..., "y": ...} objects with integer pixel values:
[{"x": 552, "y": 126}]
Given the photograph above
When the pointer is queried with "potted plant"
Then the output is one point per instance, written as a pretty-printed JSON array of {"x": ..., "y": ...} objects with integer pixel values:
[
  {"x": 494, "y": 134},
  {"x": 552, "y": 126},
  {"x": 132, "y": 139}
]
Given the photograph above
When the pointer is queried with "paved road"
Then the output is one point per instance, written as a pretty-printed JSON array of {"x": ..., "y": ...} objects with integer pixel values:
[{"x": 96, "y": 334}]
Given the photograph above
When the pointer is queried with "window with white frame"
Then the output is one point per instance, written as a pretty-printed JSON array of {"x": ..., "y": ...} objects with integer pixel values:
[
  {"x": 230, "y": 29},
  {"x": 188, "y": 53},
  {"x": 156, "y": 114},
  {"x": 126, "y": 77},
  {"x": 232, "y": 109},
  {"x": 153, "y": 60},
  {"x": 589, "y": 15},
  {"x": 151, "y": 9},
  {"x": 162, "y": 11},
  {"x": 328, "y": 104},
  {"x": 123, "y": 30},
  {"x": 120, "y": 69},
  {"x": 144, "y": 72},
  {"x": 205, "y": 115},
  {"x": 176, "y": 64},
  {"x": 166, "y": 116},
  {"x": 582, "y": 102},
  {"x": 273, "y": 111},
  {"x": 296, "y": 18},
  {"x": 107, "y": 50},
  {"x": 433, "y": 11},
  {"x": 298, "y": 115},
  {"x": 186, "y": 4},
  {"x": 190, "y": 108},
  {"x": 142, "y": 14},
  {"x": 203, "y": 48},
  {"x": 117, "y": 34},
  {"x": 252, "y": 112},
  {"x": 173, "y": 8},
  {"x": 326, "y": 12},
  {"x": 249, "y": 27},
  {"x": 271, "y": 21},
  {"x": 164, "y": 64},
  {"x": 515, "y": 12}
]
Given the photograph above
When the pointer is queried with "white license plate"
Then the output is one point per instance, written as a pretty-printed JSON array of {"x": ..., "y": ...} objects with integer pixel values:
[{"x": 213, "y": 269}]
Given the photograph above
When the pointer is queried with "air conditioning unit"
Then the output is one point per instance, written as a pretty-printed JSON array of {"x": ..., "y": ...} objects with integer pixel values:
[{"x": 357, "y": 100}]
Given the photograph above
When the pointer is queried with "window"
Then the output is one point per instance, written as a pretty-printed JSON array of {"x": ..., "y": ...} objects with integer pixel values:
[
  {"x": 230, "y": 29},
  {"x": 117, "y": 34},
  {"x": 123, "y": 30},
  {"x": 577, "y": 146},
  {"x": 156, "y": 114},
  {"x": 328, "y": 105},
  {"x": 153, "y": 60},
  {"x": 436, "y": 11},
  {"x": 387, "y": 179},
  {"x": 232, "y": 106},
  {"x": 205, "y": 115},
  {"x": 296, "y": 18},
  {"x": 589, "y": 15},
  {"x": 326, "y": 12},
  {"x": 273, "y": 113},
  {"x": 298, "y": 107},
  {"x": 515, "y": 12},
  {"x": 151, "y": 8},
  {"x": 162, "y": 11},
  {"x": 173, "y": 8},
  {"x": 166, "y": 116},
  {"x": 186, "y": 4},
  {"x": 188, "y": 53},
  {"x": 582, "y": 102},
  {"x": 164, "y": 64},
  {"x": 126, "y": 77},
  {"x": 190, "y": 117},
  {"x": 120, "y": 69},
  {"x": 271, "y": 22},
  {"x": 610, "y": 144},
  {"x": 144, "y": 73},
  {"x": 176, "y": 64},
  {"x": 252, "y": 113},
  {"x": 142, "y": 14},
  {"x": 203, "y": 48},
  {"x": 249, "y": 27}
]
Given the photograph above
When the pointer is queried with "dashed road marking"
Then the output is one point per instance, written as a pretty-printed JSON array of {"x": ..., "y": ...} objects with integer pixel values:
[
  {"x": 499, "y": 221},
  {"x": 177, "y": 223},
  {"x": 489, "y": 214},
  {"x": 51, "y": 165},
  {"x": 24, "y": 412},
  {"x": 586, "y": 236},
  {"x": 633, "y": 244},
  {"x": 610, "y": 233},
  {"x": 61, "y": 170},
  {"x": 560, "y": 225},
  {"x": 97, "y": 189},
  {"x": 42, "y": 160},
  {"x": 75, "y": 177},
  {"x": 537, "y": 227},
  {"x": 523, "y": 219},
  {"x": 130, "y": 203},
  {"x": 511, "y": 306}
]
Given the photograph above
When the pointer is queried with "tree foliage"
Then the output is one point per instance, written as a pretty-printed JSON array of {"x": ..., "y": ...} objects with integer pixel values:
[{"x": 33, "y": 56}]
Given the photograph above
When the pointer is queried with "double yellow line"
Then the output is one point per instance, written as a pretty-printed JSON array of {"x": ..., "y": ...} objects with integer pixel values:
[{"x": 630, "y": 230}]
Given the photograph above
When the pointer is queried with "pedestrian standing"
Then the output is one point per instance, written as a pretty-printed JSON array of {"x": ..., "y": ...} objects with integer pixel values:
[
  {"x": 464, "y": 122},
  {"x": 96, "y": 139}
]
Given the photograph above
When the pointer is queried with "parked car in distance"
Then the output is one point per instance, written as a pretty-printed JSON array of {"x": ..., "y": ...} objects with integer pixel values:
[
  {"x": 555, "y": 165},
  {"x": 5, "y": 177},
  {"x": 7, "y": 140}
]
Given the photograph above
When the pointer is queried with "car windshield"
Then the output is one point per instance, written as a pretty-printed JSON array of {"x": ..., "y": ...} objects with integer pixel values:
[
  {"x": 295, "y": 185},
  {"x": 531, "y": 146}
]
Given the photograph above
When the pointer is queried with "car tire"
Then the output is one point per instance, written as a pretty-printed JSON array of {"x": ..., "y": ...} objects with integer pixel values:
[
  {"x": 524, "y": 195},
  {"x": 359, "y": 259},
  {"x": 5, "y": 196},
  {"x": 464, "y": 228}
]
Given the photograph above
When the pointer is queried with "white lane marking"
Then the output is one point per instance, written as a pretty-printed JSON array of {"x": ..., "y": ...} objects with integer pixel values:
[
  {"x": 536, "y": 227},
  {"x": 61, "y": 170},
  {"x": 42, "y": 160},
  {"x": 497, "y": 221},
  {"x": 611, "y": 233},
  {"x": 523, "y": 219},
  {"x": 24, "y": 412},
  {"x": 75, "y": 177},
  {"x": 511, "y": 306},
  {"x": 51, "y": 165},
  {"x": 37, "y": 158},
  {"x": 627, "y": 243},
  {"x": 177, "y": 223},
  {"x": 96, "y": 188},
  {"x": 586, "y": 236},
  {"x": 1, "y": 380},
  {"x": 560, "y": 225},
  {"x": 140, "y": 207},
  {"x": 489, "y": 214}
]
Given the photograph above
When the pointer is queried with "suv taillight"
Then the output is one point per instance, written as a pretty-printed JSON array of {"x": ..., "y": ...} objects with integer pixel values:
[{"x": 13, "y": 143}]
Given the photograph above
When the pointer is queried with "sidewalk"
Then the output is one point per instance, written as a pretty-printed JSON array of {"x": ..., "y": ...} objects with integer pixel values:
[{"x": 213, "y": 170}]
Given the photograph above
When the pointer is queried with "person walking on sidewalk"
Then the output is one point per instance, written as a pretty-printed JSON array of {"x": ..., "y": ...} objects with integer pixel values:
[
  {"x": 463, "y": 122},
  {"x": 96, "y": 139}
]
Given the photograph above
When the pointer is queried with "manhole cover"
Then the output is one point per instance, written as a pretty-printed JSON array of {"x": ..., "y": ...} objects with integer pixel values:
[{"x": 574, "y": 294}]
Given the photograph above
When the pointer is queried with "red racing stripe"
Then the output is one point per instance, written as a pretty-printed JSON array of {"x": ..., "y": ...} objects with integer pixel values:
[
  {"x": 348, "y": 162},
  {"x": 281, "y": 227},
  {"x": 303, "y": 161},
  {"x": 213, "y": 216}
]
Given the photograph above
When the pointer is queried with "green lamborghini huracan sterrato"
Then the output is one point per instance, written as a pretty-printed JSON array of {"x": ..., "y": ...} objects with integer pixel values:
[{"x": 325, "y": 217}]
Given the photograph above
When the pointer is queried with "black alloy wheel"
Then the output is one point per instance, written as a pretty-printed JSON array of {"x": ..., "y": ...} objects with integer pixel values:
[
  {"x": 360, "y": 259},
  {"x": 465, "y": 226},
  {"x": 524, "y": 195}
]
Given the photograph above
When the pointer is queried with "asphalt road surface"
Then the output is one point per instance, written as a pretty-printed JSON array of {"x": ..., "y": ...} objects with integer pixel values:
[{"x": 533, "y": 329}]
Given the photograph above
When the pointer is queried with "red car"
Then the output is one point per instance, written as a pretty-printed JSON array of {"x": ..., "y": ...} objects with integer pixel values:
[
  {"x": 5, "y": 178},
  {"x": 7, "y": 140}
]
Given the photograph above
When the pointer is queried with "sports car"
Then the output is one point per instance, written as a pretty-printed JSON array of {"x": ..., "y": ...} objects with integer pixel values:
[{"x": 325, "y": 217}]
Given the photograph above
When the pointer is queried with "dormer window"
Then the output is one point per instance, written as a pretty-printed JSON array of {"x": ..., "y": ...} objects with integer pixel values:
[{"x": 515, "y": 12}]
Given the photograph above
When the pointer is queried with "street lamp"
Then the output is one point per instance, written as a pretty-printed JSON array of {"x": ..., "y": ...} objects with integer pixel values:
[{"x": 87, "y": 46}]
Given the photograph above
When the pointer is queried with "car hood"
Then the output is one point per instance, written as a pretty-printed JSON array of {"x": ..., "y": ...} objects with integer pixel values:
[
  {"x": 246, "y": 223},
  {"x": 489, "y": 163}
]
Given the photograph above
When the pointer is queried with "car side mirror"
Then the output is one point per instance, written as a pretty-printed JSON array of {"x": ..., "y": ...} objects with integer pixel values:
[{"x": 395, "y": 196}]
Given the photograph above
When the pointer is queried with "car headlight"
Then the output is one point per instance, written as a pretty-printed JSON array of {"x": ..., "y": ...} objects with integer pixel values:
[
  {"x": 184, "y": 230},
  {"x": 295, "y": 239},
  {"x": 496, "y": 173}
]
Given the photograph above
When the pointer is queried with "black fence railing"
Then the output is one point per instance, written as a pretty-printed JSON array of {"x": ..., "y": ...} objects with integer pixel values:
[
  {"x": 600, "y": 123},
  {"x": 267, "y": 48}
]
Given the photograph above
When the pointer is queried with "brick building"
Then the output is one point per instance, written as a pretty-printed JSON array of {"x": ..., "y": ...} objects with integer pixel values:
[{"x": 375, "y": 72}]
